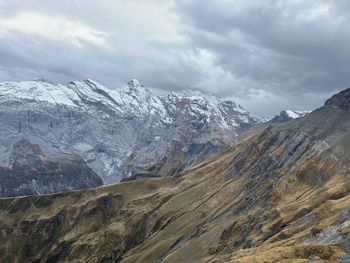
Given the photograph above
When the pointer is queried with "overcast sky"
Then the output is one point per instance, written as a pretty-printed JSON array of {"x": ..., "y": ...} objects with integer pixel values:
[{"x": 267, "y": 55}]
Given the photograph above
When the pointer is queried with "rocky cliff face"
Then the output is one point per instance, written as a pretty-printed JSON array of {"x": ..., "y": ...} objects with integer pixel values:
[
  {"x": 280, "y": 195},
  {"x": 110, "y": 129},
  {"x": 31, "y": 172}
]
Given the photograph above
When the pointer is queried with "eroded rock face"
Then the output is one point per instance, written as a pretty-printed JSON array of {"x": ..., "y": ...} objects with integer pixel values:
[
  {"x": 31, "y": 172},
  {"x": 281, "y": 194}
]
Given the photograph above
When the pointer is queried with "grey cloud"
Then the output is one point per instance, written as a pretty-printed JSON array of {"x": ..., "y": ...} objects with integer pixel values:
[
  {"x": 282, "y": 53},
  {"x": 266, "y": 55}
]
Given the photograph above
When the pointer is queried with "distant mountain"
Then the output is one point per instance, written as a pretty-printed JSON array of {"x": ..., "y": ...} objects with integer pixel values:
[
  {"x": 120, "y": 133},
  {"x": 31, "y": 172},
  {"x": 282, "y": 194},
  {"x": 288, "y": 115}
]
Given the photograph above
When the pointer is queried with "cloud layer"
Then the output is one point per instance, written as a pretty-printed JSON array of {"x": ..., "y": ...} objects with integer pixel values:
[{"x": 267, "y": 55}]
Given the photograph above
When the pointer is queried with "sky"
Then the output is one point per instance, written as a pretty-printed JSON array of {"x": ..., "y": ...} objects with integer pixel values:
[{"x": 266, "y": 55}]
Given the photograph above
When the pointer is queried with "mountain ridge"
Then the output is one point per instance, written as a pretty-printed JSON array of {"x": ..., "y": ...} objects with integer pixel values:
[{"x": 108, "y": 128}]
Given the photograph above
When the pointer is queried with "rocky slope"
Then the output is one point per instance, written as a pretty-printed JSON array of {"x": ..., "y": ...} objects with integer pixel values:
[
  {"x": 111, "y": 129},
  {"x": 280, "y": 195},
  {"x": 31, "y": 172}
]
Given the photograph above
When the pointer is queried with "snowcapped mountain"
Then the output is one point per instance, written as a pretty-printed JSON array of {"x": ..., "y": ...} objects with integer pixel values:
[
  {"x": 296, "y": 114},
  {"x": 121, "y": 132},
  {"x": 287, "y": 115}
]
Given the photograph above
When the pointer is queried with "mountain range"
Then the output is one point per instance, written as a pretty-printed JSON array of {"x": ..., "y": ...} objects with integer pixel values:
[
  {"x": 281, "y": 194},
  {"x": 121, "y": 133}
]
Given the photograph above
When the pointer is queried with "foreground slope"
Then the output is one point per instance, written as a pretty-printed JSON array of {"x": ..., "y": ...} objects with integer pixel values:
[{"x": 280, "y": 195}]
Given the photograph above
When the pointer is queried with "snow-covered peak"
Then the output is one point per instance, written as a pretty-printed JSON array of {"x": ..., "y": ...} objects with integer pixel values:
[
  {"x": 132, "y": 100},
  {"x": 134, "y": 83},
  {"x": 287, "y": 115},
  {"x": 207, "y": 107},
  {"x": 296, "y": 114},
  {"x": 230, "y": 105},
  {"x": 38, "y": 91},
  {"x": 194, "y": 96},
  {"x": 40, "y": 80}
]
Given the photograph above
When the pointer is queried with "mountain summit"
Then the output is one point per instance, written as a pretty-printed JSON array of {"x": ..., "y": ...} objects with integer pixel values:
[
  {"x": 134, "y": 83},
  {"x": 287, "y": 115}
]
